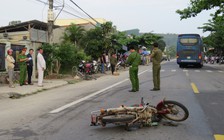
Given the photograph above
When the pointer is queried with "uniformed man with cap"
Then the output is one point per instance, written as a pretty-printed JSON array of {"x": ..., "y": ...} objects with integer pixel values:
[
  {"x": 156, "y": 67},
  {"x": 134, "y": 60},
  {"x": 22, "y": 66}
]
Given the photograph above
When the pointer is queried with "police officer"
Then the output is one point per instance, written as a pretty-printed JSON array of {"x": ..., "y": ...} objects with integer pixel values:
[
  {"x": 22, "y": 66},
  {"x": 134, "y": 59},
  {"x": 156, "y": 67}
]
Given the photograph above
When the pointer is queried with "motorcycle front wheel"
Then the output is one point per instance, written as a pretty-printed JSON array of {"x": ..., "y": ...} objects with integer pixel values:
[
  {"x": 118, "y": 118},
  {"x": 178, "y": 112}
]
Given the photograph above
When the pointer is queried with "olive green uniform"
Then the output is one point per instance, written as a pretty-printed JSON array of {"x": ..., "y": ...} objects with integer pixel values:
[
  {"x": 156, "y": 67},
  {"x": 134, "y": 59},
  {"x": 23, "y": 69}
]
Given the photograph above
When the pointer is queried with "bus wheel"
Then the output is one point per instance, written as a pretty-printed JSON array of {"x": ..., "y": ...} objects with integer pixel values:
[
  {"x": 198, "y": 66},
  {"x": 180, "y": 66}
]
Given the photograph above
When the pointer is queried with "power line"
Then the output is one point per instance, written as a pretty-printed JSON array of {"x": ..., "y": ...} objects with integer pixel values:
[
  {"x": 69, "y": 7},
  {"x": 79, "y": 17},
  {"x": 84, "y": 11},
  {"x": 56, "y": 7},
  {"x": 42, "y": 2}
]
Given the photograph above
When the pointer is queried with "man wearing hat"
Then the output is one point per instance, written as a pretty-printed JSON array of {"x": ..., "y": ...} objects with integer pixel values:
[
  {"x": 156, "y": 60},
  {"x": 22, "y": 66},
  {"x": 134, "y": 60},
  {"x": 10, "y": 66}
]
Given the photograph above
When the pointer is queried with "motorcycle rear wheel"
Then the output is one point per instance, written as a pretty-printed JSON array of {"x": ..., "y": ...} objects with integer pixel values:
[
  {"x": 118, "y": 118},
  {"x": 178, "y": 111}
]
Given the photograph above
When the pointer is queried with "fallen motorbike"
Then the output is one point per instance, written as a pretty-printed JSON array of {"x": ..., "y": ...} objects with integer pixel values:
[{"x": 143, "y": 114}]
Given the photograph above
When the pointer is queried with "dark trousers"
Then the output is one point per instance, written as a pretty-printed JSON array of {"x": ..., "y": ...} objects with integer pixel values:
[
  {"x": 112, "y": 68},
  {"x": 30, "y": 71}
]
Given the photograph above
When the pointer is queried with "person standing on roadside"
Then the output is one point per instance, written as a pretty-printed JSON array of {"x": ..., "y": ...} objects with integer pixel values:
[
  {"x": 41, "y": 66},
  {"x": 113, "y": 62},
  {"x": 22, "y": 66},
  {"x": 30, "y": 66},
  {"x": 103, "y": 62},
  {"x": 10, "y": 66},
  {"x": 134, "y": 60},
  {"x": 156, "y": 67}
]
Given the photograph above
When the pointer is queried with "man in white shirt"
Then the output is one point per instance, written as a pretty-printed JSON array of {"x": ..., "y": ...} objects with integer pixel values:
[{"x": 41, "y": 66}]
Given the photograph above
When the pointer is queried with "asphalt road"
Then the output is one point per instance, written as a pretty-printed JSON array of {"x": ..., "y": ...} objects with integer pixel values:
[{"x": 64, "y": 113}]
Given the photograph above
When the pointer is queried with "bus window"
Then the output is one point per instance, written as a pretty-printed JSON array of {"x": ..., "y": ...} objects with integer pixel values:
[{"x": 188, "y": 41}]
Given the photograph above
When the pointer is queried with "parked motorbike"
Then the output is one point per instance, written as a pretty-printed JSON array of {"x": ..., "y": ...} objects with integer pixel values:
[
  {"x": 81, "y": 67},
  {"x": 221, "y": 61},
  {"x": 118, "y": 66},
  {"x": 95, "y": 66},
  {"x": 143, "y": 114},
  {"x": 212, "y": 61}
]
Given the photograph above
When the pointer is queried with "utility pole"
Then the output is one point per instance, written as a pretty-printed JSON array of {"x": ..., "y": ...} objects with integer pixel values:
[
  {"x": 50, "y": 21},
  {"x": 50, "y": 25}
]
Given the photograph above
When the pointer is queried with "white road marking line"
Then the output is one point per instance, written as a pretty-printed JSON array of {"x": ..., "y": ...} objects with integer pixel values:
[
  {"x": 89, "y": 96},
  {"x": 197, "y": 71},
  {"x": 173, "y": 70},
  {"x": 208, "y": 71},
  {"x": 221, "y": 71},
  {"x": 187, "y": 74},
  {"x": 162, "y": 70},
  {"x": 185, "y": 70}
]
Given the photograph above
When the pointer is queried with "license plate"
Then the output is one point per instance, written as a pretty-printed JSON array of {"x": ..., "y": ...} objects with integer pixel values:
[{"x": 188, "y": 57}]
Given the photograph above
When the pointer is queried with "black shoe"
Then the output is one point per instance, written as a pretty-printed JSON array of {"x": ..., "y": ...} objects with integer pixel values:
[
  {"x": 132, "y": 90},
  {"x": 21, "y": 84}
]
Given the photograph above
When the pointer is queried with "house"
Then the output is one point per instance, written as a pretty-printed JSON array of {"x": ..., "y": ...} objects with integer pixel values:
[
  {"x": 86, "y": 23},
  {"x": 32, "y": 34}
]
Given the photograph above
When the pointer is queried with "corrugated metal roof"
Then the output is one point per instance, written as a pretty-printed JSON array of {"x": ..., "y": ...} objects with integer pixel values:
[{"x": 36, "y": 24}]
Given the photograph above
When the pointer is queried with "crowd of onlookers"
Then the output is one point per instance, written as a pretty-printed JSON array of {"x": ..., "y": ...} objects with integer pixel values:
[{"x": 214, "y": 59}]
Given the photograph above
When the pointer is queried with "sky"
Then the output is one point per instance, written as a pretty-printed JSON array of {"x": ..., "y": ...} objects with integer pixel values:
[{"x": 156, "y": 16}]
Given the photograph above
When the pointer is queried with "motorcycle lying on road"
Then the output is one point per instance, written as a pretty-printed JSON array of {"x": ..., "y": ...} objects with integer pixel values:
[{"x": 143, "y": 114}]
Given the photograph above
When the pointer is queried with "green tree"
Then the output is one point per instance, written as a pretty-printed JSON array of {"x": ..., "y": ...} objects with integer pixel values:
[
  {"x": 99, "y": 40},
  {"x": 162, "y": 45},
  {"x": 171, "y": 51},
  {"x": 74, "y": 34},
  {"x": 108, "y": 30},
  {"x": 216, "y": 38},
  {"x": 49, "y": 54},
  {"x": 148, "y": 39},
  {"x": 94, "y": 45},
  {"x": 61, "y": 57},
  {"x": 119, "y": 39},
  {"x": 69, "y": 55},
  {"x": 197, "y": 6}
]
